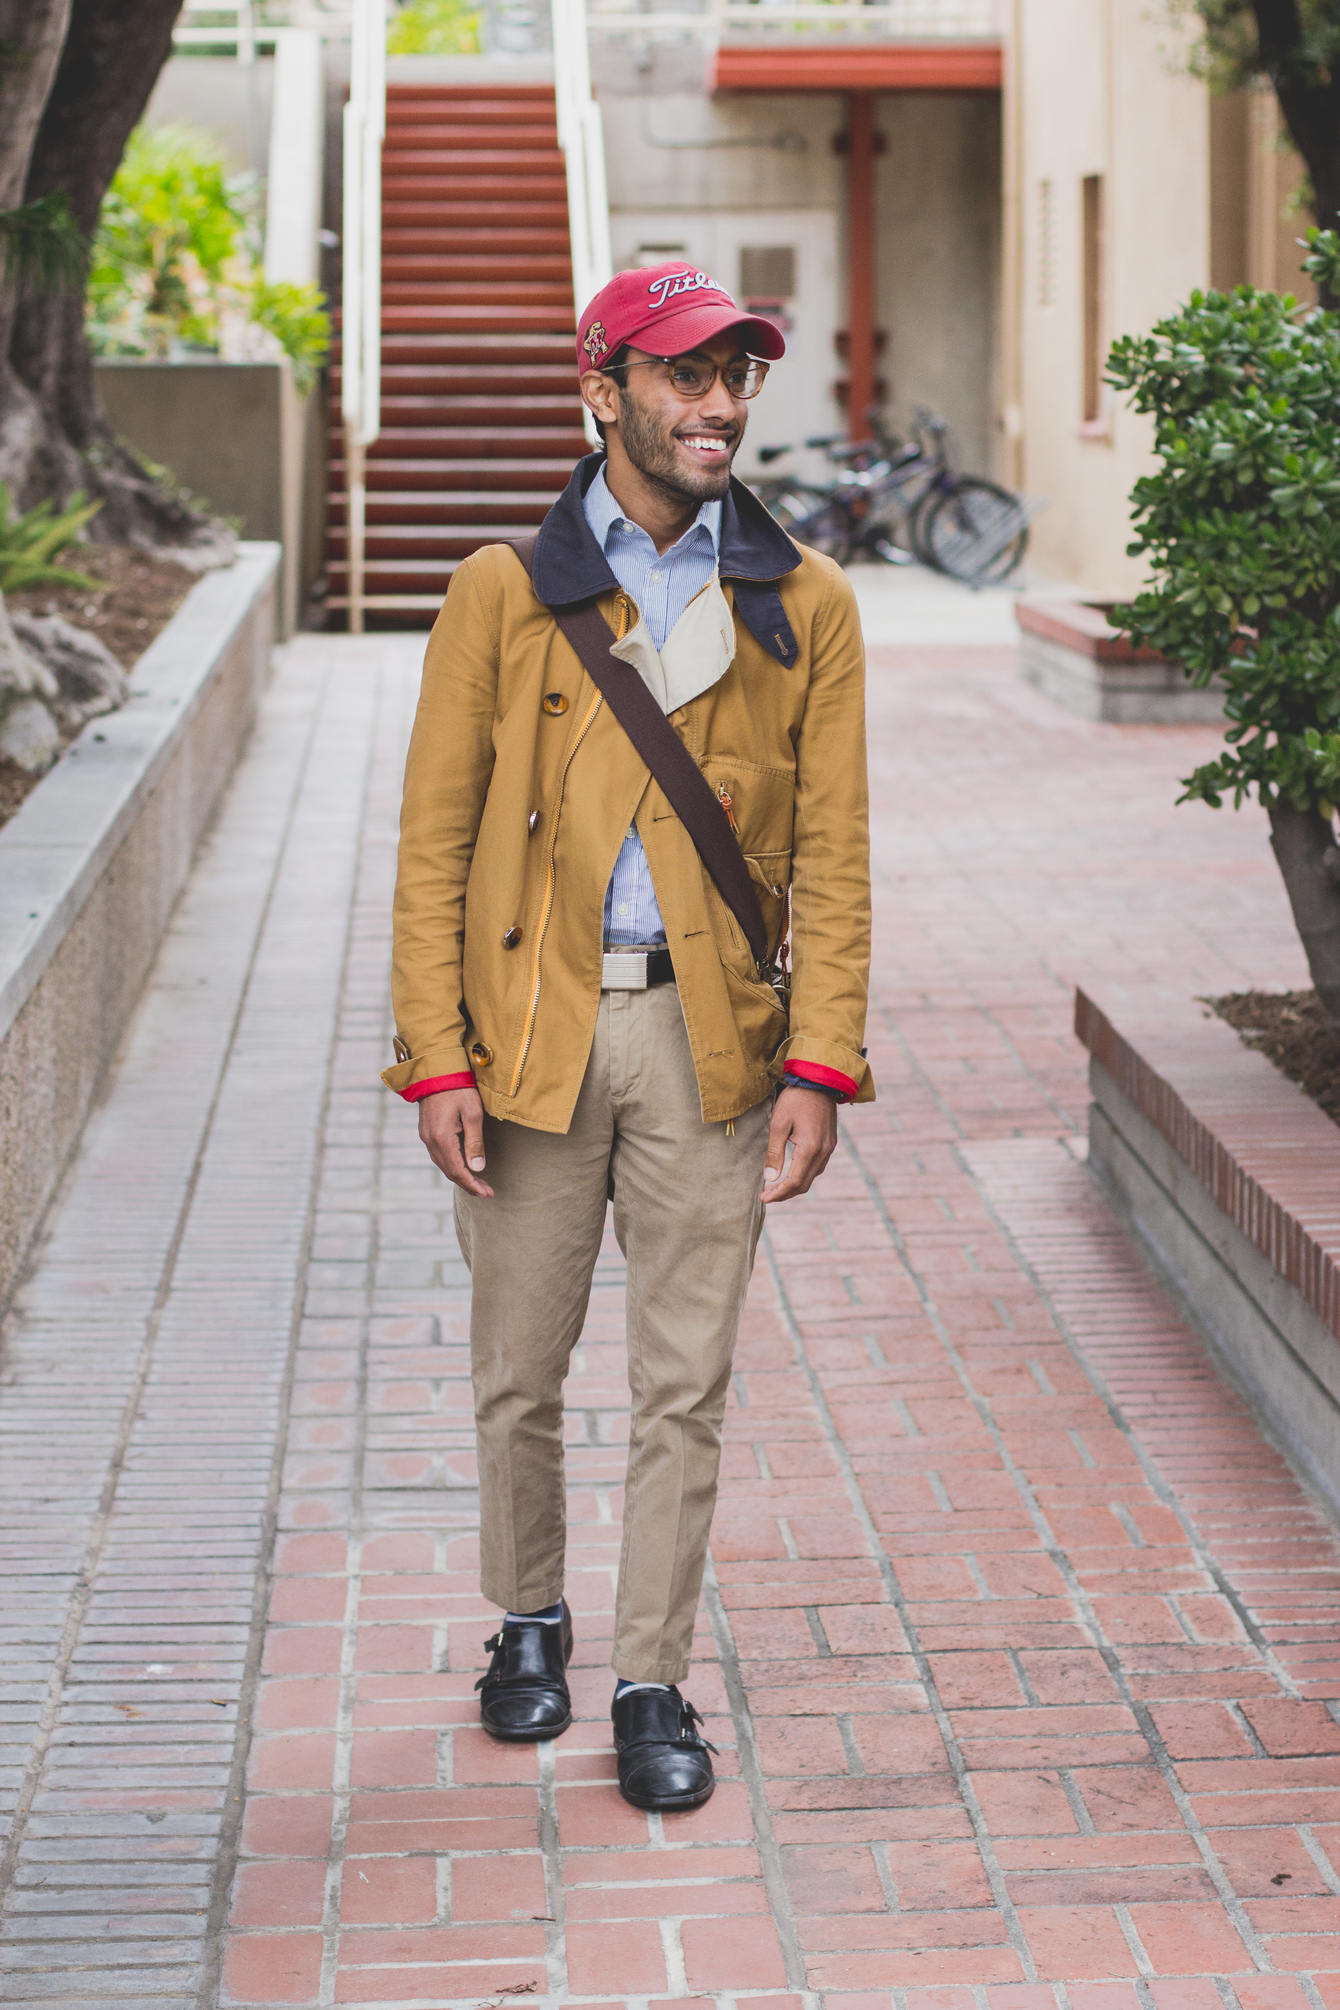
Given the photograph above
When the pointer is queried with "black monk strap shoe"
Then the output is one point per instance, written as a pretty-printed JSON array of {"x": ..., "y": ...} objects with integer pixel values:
[
  {"x": 663, "y": 1762},
  {"x": 524, "y": 1696}
]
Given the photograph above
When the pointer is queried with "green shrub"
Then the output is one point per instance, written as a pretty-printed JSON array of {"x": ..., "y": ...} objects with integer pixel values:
[
  {"x": 30, "y": 542},
  {"x": 169, "y": 236},
  {"x": 177, "y": 261},
  {"x": 1240, "y": 526},
  {"x": 434, "y": 28},
  {"x": 296, "y": 316}
]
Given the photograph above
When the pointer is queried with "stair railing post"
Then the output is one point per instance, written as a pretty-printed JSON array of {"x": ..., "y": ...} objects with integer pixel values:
[
  {"x": 582, "y": 138},
  {"x": 360, "y": 326},
  {"x": 356, "y": 499}
]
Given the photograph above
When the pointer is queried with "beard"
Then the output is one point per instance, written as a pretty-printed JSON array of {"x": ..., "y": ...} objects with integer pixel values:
[{"x": 654, "y": 452}]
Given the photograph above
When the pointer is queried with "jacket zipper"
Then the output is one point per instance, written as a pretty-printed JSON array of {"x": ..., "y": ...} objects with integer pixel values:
[
  {"x": 727, "y": 801},
  {"x": 528, "y": 1030}
]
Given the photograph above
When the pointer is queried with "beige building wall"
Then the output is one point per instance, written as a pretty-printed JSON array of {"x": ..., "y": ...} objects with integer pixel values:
[
  {"x": 938, "y": 294},
  {"x": 713, "y": 176},
  {"x": 1098, "y": 92}
]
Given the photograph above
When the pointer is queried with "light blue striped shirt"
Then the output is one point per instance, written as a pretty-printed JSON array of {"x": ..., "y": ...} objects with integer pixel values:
[{"x": 661, "y": 584}]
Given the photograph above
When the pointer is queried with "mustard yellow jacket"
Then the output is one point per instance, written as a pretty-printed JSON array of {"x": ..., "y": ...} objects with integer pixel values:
[{"x": 520, "y": 787}]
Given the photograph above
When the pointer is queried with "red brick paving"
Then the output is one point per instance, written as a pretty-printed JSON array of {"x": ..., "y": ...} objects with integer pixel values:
[{"x": 1021, "y": 1645}]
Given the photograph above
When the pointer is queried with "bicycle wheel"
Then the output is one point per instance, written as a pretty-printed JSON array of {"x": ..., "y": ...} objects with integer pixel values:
[
  {"x": 811, "y": 516},
  {"x": 976, "y": 532},
  {"x": 921, "y": 510},
  {"x": 893, "y": 506}
]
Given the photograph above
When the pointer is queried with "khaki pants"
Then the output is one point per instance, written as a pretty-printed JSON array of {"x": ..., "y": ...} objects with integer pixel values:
[{"x": 687, "y": 1215}]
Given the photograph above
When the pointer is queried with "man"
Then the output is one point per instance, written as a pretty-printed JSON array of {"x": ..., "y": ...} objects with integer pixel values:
[{"x": 577, "y": 1006}]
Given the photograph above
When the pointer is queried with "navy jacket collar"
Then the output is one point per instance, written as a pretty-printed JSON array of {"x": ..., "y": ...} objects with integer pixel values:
[{"x": 570, "y": 567}]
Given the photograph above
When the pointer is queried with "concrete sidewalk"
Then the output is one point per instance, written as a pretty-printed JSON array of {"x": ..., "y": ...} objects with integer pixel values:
[{"x": 1019, "y": 1643}]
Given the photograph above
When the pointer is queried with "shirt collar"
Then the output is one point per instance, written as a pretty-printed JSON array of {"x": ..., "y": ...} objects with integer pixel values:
[
  {"x": 606, "y": 518},
  {"x": 568, "y": 566}
]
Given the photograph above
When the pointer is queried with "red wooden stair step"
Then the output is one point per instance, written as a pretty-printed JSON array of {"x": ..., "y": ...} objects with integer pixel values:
[{"x": 438, "y": 476}]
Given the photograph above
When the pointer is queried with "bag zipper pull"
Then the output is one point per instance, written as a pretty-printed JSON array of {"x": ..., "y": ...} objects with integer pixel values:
[{"x": 728, "y": 805}]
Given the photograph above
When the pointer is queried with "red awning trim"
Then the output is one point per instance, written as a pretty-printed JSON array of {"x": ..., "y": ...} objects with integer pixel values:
[{"x": 862, "y": 66}]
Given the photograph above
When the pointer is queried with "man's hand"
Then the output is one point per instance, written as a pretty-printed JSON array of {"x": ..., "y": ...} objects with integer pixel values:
[
  {"x": 451, "y": 1124},
  {"x": 808, "y": 1122}
]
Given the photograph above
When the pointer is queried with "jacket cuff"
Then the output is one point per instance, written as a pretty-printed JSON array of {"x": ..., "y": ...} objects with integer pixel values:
[
  {"x": 445, "y": 1067},
  {"x": 812, "y": 1075},
  {"x": 435, "y": 1083},
  {"x": 827, "y": 1063}
]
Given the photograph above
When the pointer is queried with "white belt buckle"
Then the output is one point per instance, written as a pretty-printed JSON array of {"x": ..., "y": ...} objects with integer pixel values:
[{"x": 623, "y": 970}]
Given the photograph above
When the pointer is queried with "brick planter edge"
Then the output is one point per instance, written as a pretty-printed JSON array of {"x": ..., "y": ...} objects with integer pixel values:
[
  {"x": 1229, "y": 1176},
  {"x": 91, "y": 866},
  {"x": 1071, "y": 653}
]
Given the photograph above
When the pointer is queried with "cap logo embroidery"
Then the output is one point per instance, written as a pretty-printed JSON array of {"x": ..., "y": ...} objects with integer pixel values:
[
  {"x": 595, "y": 341},
  {"x": 671, "y": 284}
]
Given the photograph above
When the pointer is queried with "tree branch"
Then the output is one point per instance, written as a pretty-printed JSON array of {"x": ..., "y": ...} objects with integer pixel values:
[
  {"x": 1310, "y": 105},
  {"x": 110, "y": 63}
]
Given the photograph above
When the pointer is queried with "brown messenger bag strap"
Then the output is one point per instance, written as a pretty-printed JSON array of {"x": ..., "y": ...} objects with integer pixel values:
[{"x": 686, "y": 787}]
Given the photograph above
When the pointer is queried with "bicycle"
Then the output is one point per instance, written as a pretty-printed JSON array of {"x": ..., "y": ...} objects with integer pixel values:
[{"x": 901, "y": 501}]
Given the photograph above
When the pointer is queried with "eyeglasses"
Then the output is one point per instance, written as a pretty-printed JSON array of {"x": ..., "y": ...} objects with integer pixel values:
[{"x": 694, "y": 376}]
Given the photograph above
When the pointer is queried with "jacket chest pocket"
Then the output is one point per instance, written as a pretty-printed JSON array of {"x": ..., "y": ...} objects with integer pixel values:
[{"x": 759, "y": 804}]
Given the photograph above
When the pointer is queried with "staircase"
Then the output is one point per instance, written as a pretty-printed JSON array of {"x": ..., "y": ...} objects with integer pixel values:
[{"x": 481, "y": 419}]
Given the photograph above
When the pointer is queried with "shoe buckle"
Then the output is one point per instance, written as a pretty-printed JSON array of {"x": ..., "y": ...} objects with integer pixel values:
[{"x": 688, "y": 1718}]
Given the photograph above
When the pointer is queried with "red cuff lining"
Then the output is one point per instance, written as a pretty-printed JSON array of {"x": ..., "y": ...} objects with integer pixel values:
[
  {"x": 436, "y": 1082},
  {"x": 812, "y": 1071}
]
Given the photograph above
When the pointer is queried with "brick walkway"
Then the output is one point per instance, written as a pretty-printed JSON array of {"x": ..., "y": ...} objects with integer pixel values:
[{"x": 1019, "y": 1643}]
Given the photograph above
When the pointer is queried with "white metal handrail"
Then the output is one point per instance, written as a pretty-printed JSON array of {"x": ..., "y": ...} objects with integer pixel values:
[
  {"x": 582, "y": 138},
  {"x": 246, "y": 25},
  {"x": 361, "y": 328},
  {"x": 733, "y": 21},
  {"x": 203, "y": 24}
]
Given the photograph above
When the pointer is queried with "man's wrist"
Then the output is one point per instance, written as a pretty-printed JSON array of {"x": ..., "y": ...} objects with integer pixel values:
[
  {"x": 790, "y": 1081},
  {"x": 436, "y": 1084}
]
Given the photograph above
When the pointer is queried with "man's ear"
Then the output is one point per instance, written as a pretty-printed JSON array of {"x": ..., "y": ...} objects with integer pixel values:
[{"x": 600, "y": 394}]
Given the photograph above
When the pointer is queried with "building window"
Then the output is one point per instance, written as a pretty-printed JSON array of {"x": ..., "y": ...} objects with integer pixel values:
[
  {"x": 767, "y": 271},
  {"x": 1046, "y": 244},
  {"x": 659, "y": 254},
  {"x": 1095, "y": 301}
]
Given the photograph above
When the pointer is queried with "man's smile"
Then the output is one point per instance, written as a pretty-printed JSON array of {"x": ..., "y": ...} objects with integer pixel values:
[{"x": 708, "y": 446}]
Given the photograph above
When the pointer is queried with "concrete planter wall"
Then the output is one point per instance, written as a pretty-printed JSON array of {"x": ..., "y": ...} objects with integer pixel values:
[
  {"x": 1070, "y": 651},
  {"x": 239, "y": 436},
  {"x": 92, "y": 863},
  {"x": 1229, "y": 1177}
]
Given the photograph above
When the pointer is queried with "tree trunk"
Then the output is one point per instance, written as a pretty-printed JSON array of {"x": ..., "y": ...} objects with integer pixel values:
[
  {"x": 32, "y": 33},
  {"x": 1309, "y": 861},
  {"x": 1326, "y": 203},
  {"x": 109, "y": 62},
  {"x": 1309, "y": 102}
]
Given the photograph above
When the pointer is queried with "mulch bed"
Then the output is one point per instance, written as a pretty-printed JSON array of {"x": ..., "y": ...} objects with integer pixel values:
[
  {"x": 139, "y": 595},
  {"x": 1290, "y": 1029},
  {"x": 15, "y": 784}
]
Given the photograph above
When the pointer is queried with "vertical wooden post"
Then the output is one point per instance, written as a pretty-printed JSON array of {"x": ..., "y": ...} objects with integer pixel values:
[
  {"x": 356, "y": 508},
  {"x": 860, "y": 260}
]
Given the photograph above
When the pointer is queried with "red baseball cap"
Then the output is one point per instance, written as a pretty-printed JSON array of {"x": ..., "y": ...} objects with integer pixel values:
[{"x": 668, "y": 310}]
